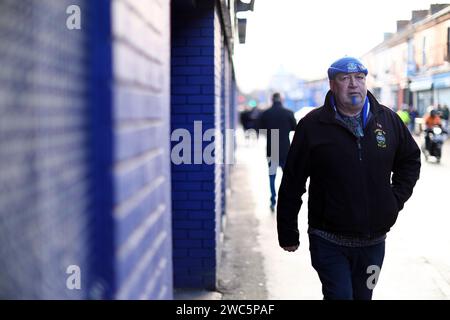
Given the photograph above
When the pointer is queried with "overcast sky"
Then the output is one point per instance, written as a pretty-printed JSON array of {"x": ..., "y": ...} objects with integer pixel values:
[{"x": 305, "y": 36}]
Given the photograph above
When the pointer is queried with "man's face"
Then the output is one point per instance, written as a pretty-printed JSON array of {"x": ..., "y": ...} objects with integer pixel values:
[{"x": 350, "y": 89}]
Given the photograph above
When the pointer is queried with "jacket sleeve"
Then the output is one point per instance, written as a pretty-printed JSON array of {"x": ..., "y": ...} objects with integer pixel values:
[
  {"x": 406, "y": 169},
  {"x": 295, "y": 174}
]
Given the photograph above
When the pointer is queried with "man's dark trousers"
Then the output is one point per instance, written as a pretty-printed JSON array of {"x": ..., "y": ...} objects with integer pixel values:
[{"x": 344, "y": 271}]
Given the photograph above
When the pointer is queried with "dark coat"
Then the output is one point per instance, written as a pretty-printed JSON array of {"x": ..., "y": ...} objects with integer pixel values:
[
  {"x": 278, "y": 117},
  {"x": 351, "y": 191}
]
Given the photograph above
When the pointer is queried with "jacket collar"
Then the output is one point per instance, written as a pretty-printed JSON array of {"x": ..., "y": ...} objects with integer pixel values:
[{"x": 328, "y": 113}]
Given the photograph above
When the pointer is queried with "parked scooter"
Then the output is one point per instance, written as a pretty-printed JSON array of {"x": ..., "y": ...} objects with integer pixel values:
[{"x": 434, "y": 139}]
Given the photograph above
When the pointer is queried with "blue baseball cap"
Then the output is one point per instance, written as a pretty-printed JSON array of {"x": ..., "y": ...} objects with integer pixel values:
[{"x": 346, "y": 65}]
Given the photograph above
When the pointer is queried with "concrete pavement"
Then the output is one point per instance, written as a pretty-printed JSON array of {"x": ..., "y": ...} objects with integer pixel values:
[
  {"x": 242, "y": 274},
  {"x": 417, "y": 261}
]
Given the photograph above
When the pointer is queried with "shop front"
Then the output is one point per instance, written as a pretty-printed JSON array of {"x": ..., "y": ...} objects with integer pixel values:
[{"x": 422, "y": 89}]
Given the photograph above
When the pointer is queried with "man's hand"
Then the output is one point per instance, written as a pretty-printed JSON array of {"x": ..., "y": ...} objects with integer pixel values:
[{"x": 291, "y": 248}]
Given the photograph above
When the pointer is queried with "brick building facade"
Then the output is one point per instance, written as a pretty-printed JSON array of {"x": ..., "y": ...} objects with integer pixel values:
[{"x": 86, "y": 177}]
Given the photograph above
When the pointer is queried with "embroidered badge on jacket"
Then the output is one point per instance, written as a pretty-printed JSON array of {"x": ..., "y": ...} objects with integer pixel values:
[{"x": 380, "y": 135}]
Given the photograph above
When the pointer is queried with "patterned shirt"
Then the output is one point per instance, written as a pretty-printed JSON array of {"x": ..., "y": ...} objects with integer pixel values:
[
  {"x": 347, "y": 241},
  {"x": 353, "y": 123}
]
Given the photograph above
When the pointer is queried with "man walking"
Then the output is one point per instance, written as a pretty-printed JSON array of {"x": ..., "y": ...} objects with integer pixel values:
[
  {"x": 348, "y": 148},
  {"x": 278, "y": 121}
]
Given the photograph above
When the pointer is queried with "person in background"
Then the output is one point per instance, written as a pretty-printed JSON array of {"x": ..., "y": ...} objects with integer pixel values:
[
  {"x": 431, "y": 120},
  {"x": 278, "y": 121},
  {"x": 439, "y": 110},
  {"x": 413, "y": 114},
  {"x": 249, "y": 118},
  {"x": 445, "y": 116},
  {"x": 404, "y": 115}
]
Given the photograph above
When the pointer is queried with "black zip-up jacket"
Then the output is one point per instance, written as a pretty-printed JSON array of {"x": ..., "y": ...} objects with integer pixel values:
[
  {"x": 351, "y": 191},
  {"x": 278, "y": 117}
]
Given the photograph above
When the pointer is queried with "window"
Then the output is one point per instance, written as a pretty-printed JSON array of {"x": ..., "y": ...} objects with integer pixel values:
[
  {"x": 447, "y": 56},
  {"x": 424, "y": 51}
]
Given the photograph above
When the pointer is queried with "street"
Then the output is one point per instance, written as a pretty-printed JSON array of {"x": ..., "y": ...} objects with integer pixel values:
[{"x": 417, "y": 260}]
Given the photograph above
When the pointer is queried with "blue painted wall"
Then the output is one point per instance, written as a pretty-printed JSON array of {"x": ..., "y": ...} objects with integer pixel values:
[
  {"x": 45, "y": 176},
  {"x": 193, "y": 188},
  {"x": 84, "y": 150},
  {"x": 85, "y": 155},
  {"x": 202, "y": 89},
  {"x": 141, "y": 166}
]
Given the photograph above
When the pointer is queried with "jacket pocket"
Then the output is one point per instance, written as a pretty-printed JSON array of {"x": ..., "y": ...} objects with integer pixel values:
[
  {"x": 395, "y": 201},
  {"x": 394, "y": 207}
]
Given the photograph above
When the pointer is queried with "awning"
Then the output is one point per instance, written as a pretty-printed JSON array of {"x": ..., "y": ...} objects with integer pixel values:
[
  {"x": 421, "y": 84},
  {"x": 441, "y": 80}
]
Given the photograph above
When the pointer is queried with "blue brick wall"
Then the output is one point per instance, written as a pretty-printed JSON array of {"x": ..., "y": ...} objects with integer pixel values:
[
  {"x": 223, "y": 118},
  {"x": 200, "y": 90},
  {"x": 193, "y": 90},
  {"x": 100, "y": 279},
  {"x": 219, "y": 78},
  {"x": 141, "y": 167},
  {"x": 45, "y": 176},
  {"x": 84, "y": 148},
  {"x": 229, "y": 119}
]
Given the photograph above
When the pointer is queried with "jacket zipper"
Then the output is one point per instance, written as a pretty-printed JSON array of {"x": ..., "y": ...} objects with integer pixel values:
[{"x": 358, "y": 142}]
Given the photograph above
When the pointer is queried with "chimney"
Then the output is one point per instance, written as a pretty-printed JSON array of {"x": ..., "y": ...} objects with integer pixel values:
[
  {"x": 388, "y": 35},
  {"x": 435, "y": 7},
  {"x": 418, "y": 15},
  {"x": 402, "y": 24}
]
